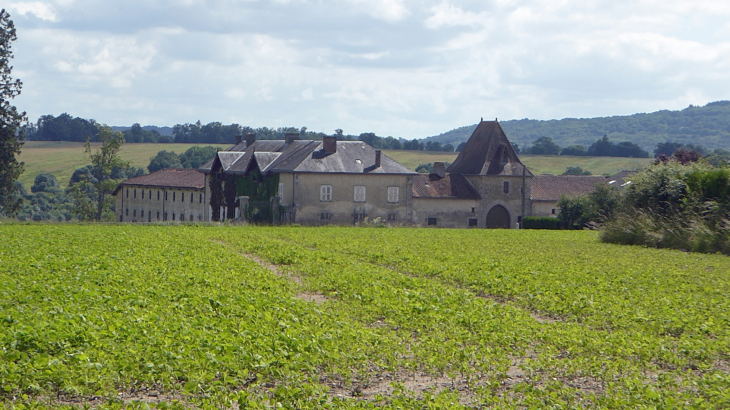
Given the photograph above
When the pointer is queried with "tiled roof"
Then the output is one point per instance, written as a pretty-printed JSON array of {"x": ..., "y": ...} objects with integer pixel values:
[
  {"x": 168, "y": 178},
  {"x": 488, "y": 152},
  {"x": 453, "y": 186},
  {"x": 551, "y": 187}
]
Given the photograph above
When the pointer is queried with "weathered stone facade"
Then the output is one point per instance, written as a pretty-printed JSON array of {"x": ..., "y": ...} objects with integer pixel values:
[{"x": 167, "y": 195}]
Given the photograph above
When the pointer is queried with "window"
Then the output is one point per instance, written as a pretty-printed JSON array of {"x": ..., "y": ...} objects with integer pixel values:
[
  {"x": 158, "y": 212},
  {"x": 325, "y": 193},
  {"x": 173, "y": 200},
  {"x": 201, "y": 198},
  {"x": 431, "y": 221},
  {"x": 135, "y": 193},
  {"x": 182, "y": 217},
  {"x": 505, "y": 157},
  {"x": 473, "y": 210},
  {"x": 472, "y": 221},
  {"x": 392, "y": 217},
  {"x": 359, "y": 193},
  {"x": 150, "y": 194},
  {"x": 191, "y": 199},
  {"x": 126, "y": 212},
  {"x": 165, "y": 217},
  {"x": 127, "y": 192},
  {"x": 142, "y": 213},
  {"x": 191, "y": 218},
  {"x": 158, "y": 197},
  {"x": 182, "y": 197},
  {"x": 553, "y": 212},
  {"x": 359, "y": 216},
  {"x": 173, "y": 216},
  {"x": 505, "y": 187},
  {"x": 165, "y": 195},
  {"x": 200, "y": 217},
  {"x": 325, "y": 216},
  {"x": 280, "y": 192},
  {"x": 143, "y": 194},
  {"x": 134, "y": 213},
  {"x": 393, "y": 194}
]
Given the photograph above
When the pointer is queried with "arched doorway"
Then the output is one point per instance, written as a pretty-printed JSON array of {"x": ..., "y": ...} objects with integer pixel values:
[{"x": 498, "y": 218}]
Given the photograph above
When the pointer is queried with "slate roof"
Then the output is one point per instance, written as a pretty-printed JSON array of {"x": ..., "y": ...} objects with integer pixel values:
[
  {"x": 551, "y": 187},
  {"x": 351, "y": 157},
  {"x": 168, "y": 178},
  {"x": 452, "y": 186},
  {"x": 484, "y": 151}
]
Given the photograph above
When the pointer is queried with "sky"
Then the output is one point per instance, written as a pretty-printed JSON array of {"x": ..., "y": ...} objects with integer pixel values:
[{"x": 405, "y": 68}]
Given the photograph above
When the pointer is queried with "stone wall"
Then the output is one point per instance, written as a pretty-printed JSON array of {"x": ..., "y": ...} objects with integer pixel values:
[
  {"x": 445, "y": 213},
  {"x": 492, "y": 188},
  {"x": 545, "y": 208},
  {"x": 302, "y": 197},
  {"x": 147, "y": 204}
]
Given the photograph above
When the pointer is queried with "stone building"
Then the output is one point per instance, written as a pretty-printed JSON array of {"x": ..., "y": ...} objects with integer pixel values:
[
  {"x": 307, "y": 182},
  {"x": 345, "y": 182},
  {"x": 489, "y": 163},
  {"x": 166, "y": 195}
]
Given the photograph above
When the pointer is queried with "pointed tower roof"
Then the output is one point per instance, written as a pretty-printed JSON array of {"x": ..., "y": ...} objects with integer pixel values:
[{"x": 488, "y": 152}]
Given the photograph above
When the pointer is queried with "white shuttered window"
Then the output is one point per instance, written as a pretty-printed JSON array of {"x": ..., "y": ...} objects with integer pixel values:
[
  {"x": 325, "y": 193},
  {"x": 359, "y": 193},
  {"x": 280, "y": 193},
  {"x": 393, "y": 193}
]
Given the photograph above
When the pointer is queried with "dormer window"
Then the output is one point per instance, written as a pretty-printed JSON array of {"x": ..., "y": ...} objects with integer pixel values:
[{"x": 505, "y": 157}]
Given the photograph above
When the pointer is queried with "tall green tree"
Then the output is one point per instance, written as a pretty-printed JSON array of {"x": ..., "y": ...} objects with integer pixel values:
[
  {"x": 11, "y": 134},
  {"x": 103, "y": 162}
]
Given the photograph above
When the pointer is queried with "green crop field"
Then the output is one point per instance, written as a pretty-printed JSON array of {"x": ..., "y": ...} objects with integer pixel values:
[
  {"x": 538, "y": 164},
  {"x": 62, "y": 158},
  {"x": 215, "y": 317}
]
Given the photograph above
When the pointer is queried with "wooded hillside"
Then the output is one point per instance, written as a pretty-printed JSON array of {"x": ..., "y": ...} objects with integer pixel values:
[{"x": 708, "y": 126}]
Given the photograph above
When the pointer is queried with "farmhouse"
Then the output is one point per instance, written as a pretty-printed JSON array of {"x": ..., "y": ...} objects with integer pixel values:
[
  {"x": 344, "y": 182},
  {"x": 166, "y": 195},
  {"x": 307, "y": 182}
]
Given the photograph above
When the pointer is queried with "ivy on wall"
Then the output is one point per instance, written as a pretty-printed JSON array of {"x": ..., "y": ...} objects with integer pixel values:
[{"x": 258, "y": 187}]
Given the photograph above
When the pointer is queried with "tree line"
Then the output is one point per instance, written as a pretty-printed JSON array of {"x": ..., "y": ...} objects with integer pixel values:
[{"x": 75, "y": 129}]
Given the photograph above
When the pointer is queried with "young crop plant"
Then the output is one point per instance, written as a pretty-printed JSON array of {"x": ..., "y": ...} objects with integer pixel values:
[{"x": 258, "y": 317}]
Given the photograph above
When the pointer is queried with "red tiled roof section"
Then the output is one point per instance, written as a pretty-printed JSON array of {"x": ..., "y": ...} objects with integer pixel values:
[
  {"x": 551, "y": 187},
  {"x": 171, "y": 177},
  {"x": 453, "y": 186}
]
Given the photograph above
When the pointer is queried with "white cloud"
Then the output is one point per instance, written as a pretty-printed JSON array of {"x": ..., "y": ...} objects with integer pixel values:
[
  {"x": 405, "y": 68},
  {"x": 39, "y": 9},
  {"x": 446, "y": 14}
]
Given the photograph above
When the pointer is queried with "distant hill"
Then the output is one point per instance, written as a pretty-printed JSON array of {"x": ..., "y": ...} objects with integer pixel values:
[
  {"x": 708, "y": 126},
  {"x": 162, "y": 130}
]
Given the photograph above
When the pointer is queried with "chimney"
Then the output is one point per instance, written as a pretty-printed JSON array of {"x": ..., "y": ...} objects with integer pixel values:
[
  {"x": 290, "y": 137},
  {"x": 439, "y": 168},
  {"x": 377, "y": 158},
  {"x": 250, "y": 139},
  {"x": 239, "y": 138},
  {"x": 329, "y": 144}
]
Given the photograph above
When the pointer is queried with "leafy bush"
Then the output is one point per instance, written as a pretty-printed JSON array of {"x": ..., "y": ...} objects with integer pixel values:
[
  {"x": 576, "y": 171},
  {"x": 590, "y": 210},
  {"x": 537, "y": 222},
  {"x": 671, "y": 205}
]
